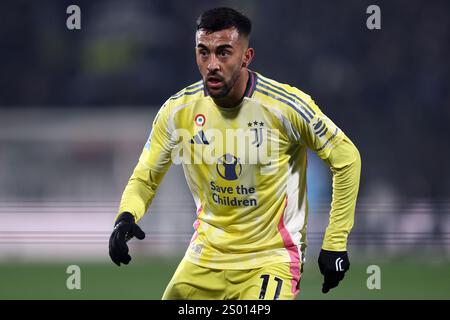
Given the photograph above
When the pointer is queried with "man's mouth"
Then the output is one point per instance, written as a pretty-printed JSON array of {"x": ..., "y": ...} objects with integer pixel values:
[{"x": 214, "y": 82}]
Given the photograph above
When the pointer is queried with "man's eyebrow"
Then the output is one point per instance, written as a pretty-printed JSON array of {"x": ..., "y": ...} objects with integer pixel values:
[
  {"x": 225, "y": 46},
  {"x": 221, "y": 47}
]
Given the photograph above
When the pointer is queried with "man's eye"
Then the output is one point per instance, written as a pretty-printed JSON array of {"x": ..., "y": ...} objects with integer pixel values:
[
  {"x": 224, "y": 53},
  {"x": 203, "y": 53}
]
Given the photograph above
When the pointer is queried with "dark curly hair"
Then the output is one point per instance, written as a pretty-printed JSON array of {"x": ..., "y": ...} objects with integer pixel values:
[{"x": 223, "y": 18}]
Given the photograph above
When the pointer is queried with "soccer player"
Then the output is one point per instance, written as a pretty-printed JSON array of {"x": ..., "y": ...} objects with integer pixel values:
[{"x": 242, "y": 139}]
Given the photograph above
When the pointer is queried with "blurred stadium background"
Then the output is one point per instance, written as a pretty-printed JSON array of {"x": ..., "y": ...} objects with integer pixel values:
[{"x": 76, "y": 108}]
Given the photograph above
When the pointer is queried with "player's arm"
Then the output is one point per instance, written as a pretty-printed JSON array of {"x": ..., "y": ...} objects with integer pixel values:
[
  {"x": 140, "y": 190},
  {"x": 321, "y": 135},
  {"x": 153, "y": 164},
  {"x": 345, "y": 164}
]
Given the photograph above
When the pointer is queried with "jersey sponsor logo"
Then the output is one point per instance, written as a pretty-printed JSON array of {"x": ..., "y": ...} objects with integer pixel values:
[
  {"x": 200, "y": 120},
  {"x": 199, "y": 138},
  {"x": 228, "y": 150},
  {"x": 229, "y": 167},
  {"x": 233, "y": 196}
]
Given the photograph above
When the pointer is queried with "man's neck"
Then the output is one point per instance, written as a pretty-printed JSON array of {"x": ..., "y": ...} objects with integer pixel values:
[{"x": 236, "y": 94}]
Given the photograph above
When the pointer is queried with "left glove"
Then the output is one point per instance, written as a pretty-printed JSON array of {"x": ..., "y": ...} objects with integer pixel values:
[
  {"x": 124, "y": 229},
  {"x": 332, "y": 265}
]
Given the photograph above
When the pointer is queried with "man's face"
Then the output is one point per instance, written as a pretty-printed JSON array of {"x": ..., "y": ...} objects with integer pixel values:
[{"x": 220, "y": 56}]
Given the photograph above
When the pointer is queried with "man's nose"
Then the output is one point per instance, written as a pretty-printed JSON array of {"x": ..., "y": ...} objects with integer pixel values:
[{"x": 213, "y": 64}]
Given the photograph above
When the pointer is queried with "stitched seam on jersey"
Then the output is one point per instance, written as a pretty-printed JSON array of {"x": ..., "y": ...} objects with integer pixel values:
[
  {"x": 268, "y": 81},
  {"x": 186, "y": 93},
  {"x": 290, "y": 99},
  {"x": 284, "y": 101},
  {"x": 191, "y": 87},
  {"x": 180, "y": 94}
]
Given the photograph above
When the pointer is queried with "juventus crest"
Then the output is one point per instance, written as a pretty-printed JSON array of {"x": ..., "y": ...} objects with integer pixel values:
[{"x": 257, "y": 128}]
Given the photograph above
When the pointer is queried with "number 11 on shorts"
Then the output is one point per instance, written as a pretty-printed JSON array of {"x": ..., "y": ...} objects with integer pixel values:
[{"x": 265, "y": 283}]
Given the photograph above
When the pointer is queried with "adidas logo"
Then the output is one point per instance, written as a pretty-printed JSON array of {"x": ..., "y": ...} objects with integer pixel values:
[{"x": 199, "y": 138}]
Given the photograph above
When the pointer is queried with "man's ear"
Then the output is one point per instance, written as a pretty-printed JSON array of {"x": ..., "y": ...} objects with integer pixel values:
[{"x": 248, "y": 57}]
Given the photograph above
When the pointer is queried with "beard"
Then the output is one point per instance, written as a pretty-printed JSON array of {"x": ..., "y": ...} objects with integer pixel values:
[{"x": 226, "y": 87}]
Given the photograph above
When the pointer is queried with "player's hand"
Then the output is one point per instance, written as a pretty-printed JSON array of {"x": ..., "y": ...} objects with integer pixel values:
[
  {"x": 124, "y": 230},
  {"x": 332, "y": 265}
]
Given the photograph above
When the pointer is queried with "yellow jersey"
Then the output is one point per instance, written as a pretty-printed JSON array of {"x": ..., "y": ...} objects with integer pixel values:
[{"x": 246, "y": 169}]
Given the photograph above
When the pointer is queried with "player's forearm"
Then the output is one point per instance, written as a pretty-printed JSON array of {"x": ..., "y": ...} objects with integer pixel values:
[
  {"x": 345, "y": 163},
  {"x": 140, "y": 190}
]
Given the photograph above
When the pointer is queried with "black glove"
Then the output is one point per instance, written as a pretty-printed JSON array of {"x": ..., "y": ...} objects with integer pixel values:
[
  {"x": 124, "y": 230},
  {"x": 332, "y": 265}
]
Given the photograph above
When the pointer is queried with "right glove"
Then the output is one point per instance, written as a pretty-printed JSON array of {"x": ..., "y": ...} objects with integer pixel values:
[{"x": 124, "y": 229}]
